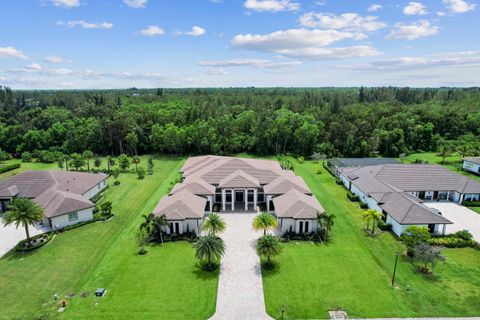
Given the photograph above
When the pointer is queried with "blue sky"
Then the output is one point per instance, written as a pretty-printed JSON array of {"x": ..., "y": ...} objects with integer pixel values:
[{"x": 215, "y": 43}]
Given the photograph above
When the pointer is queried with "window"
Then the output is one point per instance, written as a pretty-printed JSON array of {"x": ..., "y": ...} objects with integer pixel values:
[{"x": 72, "y": 216}]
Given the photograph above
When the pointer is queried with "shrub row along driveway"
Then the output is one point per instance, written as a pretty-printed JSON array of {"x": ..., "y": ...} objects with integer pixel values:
[{"x": 240, "y": 288}]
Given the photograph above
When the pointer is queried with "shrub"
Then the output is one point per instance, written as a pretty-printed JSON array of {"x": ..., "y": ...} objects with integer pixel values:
[
  {"x": 325, "y": 165},
  {"x": 141, "y": 173},
  {"x": 27, "y": 156},
  {"x": 4, "y": 155},
  {"x": 319, "y": 171},
  {"x": 415, "y": 235},
  {"x": 116, "y": 182},
  {"x": 301, "y": 159},
  {"x": 364, "y": 206},
  {"x": 9, "y": 167},
  {"x": 452, "y": 242},
  {"x": 38, "y": 242},
  {"x": 471, "y": 203},
  {"x": 384, "y": 226},
  {"x": 353, "y": 197},
  {"x": 463, "y": 234},
  {"x": 338, "y": 181}
]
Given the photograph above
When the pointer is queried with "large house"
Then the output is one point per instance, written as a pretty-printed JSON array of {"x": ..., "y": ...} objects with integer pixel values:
[
  {"x": 399, "y": 191},
  {"x": 64, "y": 195},
  {"x": 472, "y": 164},
  {"x": 228, "y": 184}
]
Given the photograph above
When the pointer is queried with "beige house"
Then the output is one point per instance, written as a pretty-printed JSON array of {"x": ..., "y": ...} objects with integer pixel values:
[
  {"x": 229, "y": 184},
  {"x": 64, "y": 195}
]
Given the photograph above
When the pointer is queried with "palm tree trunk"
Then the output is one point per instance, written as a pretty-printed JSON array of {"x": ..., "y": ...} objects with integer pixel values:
[
  {"x": 28, "y": 234},
  {"x": 161, "y": 235},
  {"x": 268, "y": 261},
  {"x": 264, "y": 232},
  {"x": 373, "y": 227},
  {"x": 209, "y": 263}
]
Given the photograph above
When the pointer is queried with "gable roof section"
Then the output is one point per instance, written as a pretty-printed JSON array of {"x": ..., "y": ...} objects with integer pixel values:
[
  {"x": 239, "y": 179},
  {"x": 11, "y": 191},
  {"x": 30, "y": 184},
  {"x": 180, "y": 206},
  {"x": 475, "y": 160},
  {"x": 283, "y": 184},
  {"x": 361, "y": 162},
  {"x": 57, "y": 203},
  {"x": 199, "y": 188},
  {"x": 294, "y": 204}
]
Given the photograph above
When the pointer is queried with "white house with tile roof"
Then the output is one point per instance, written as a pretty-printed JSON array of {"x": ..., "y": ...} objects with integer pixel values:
[
  {"x": 229, "y": 184},
  {"x": 472, "y": 164}
]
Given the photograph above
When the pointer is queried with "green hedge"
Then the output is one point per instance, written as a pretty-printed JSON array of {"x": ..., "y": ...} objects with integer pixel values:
[
  {"x": 451, "y": 242},
  {"x": 471, "y": 203},
  {"x": 21, "y": 246},
  {"x": 353, "y": 197},
  {"x": 9, "y": 167}
]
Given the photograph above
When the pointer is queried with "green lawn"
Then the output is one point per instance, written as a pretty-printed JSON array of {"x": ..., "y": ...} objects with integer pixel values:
[
  {"x": 164, "y": 284},
  {"x": 476, "y": 209},
  {"x": 353, "y": 272}
]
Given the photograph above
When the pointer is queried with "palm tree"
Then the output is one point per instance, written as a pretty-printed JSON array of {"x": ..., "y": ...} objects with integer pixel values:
[
  {"x": 147, "y": 223},
  {"x": 374, "y": 216},
  {"x": 87, "y": 155},
  {"x": 268, "y": 246},
  {"x": 23, "y": 212},
  {"x": 214, "y": 224},
  {"x": 136, "y": 161},
  {"x": 209, "y": 248},
  {"x": 264, "y": 221},
  {"x": 325, "y": 223},
  {"x": 158, "y": 223}
]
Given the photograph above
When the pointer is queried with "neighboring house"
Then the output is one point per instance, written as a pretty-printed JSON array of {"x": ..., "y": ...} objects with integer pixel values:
[
  {"x": 472, "y": 164},
  {"x": 338, "y": 163},
  {"x": 228, "y": 184},
  {"x": 64, "y": 195},
  {"x": 400, "y": 190}
]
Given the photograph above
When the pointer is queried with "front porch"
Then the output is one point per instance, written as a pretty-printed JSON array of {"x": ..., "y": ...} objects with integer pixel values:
[{"x": 238, "y": 200}]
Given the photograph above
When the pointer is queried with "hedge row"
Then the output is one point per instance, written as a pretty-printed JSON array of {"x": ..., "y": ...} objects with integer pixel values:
[
  {"x": 353, "y": 197},
  {"x": 452, "y": 242},
  {"x": 9, "y": 167},
  {"x": 471, "y": 203}
]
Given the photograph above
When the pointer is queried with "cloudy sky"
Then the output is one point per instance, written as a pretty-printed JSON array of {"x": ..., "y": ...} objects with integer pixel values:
[{"x": 223, "y": 43}]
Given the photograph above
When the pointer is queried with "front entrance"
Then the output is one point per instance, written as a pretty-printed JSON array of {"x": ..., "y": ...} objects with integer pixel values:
[
  {"x": 175, "y": 227},
  {"x": 303, "y": 226},
  {"x": 239, "y": 195}
]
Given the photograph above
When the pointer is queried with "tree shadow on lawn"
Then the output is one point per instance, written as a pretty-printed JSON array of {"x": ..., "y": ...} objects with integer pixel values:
[
  {"x": 202, "y": 273},
  {"x": 270, "y": 271}
]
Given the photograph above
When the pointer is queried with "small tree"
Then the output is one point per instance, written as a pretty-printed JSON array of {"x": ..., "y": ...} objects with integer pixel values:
[
  {"x": 60, "y": 163},
  {"x": 445, "y": 150},
  {"x": 414, "y": 236},
  {"x": 214, "y": 224},
  {"x": 27, "y": 156},
  {"x": 87, "y": 155},
  {"x": 428, "y": 255},
  {"x": 110, "y": 163},
  {"x": 97, "y": 162},
  {"x": 264, "y": 221},
  {"x": 142, "y": 239},
  {"x": 374, "y": 216},
  {"x": 150, "y": 165},
  {"x": 77, "y": 161},
  {"x": 158, "y": 223},
  {"x": 136, "y": 161},
  {"x": 147, "y": 224},
  {"x": 124, "y": 162},
  {"x": 325, "y": 223},
  {"x": 268, "y": 246},
  {"x": 106, "y": 208},
  {"x": 24, "y": 212},
  {"x": 209, "y": 248},
  {"x": 115, "y": 175},
  {"x": 141, "y": 173}
]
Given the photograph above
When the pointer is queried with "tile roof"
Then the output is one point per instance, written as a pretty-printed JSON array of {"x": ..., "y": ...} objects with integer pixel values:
[
  {"x": 475, "y": 160},
  {"x": 57, "y": 203},
  {"x": 199, "y": 188},
  {"x": 361, "y": 162},
  {"x": 239, "y": 179},
  {"x": 181, "y": 205},
  {"x": 283, "y": 184},
  {"x": 297, "y": 205}
]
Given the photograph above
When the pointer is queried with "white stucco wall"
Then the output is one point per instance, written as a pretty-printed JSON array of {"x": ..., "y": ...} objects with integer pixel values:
[
  {"x": 470, "y": 166},
  {"x": 62, "y": 221},
  {"x": 93, "y": 191},
  {"x": 184, "y": 225},
  {"x": 286, "y": 223}
]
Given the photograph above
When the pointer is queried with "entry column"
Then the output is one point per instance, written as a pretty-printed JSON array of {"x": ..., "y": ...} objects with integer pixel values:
[{"x": 246, "y": 199}]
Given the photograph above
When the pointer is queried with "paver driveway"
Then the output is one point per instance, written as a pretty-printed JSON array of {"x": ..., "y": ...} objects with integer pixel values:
[
  {"x": 240, "y": 289},
  {"x": 9, "y": 235},
  {"x": 462, "y": 217}
]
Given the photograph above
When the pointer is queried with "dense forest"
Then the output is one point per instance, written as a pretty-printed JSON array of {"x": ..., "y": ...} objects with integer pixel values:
[{"x": 302, "y": 121}]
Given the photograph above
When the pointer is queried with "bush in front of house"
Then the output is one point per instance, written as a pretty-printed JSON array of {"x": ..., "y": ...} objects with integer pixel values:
[
  {"x": 459, "y": 239},
  {"x": 471, "y": 203},
  {"x": 363, "y": 206},
  {"x": 37, "y": 241},
  {"x": 9, "y": 167},
  {"x": 384, "y": 226},
  {"x": 353, "y": 197}
]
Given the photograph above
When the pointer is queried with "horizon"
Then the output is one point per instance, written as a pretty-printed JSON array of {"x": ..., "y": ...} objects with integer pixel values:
[{"x": 119, "y": 44}]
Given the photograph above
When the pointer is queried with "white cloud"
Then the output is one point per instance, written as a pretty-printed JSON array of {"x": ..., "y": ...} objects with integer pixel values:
[
  {"x": 418, "y": 29},
  {"x": 53, "y": 59},
  {"x": 304, "y": 43},
  {"x": 3, "y": 79},
  {"x": 66, "y": 3},
  {"x": 347, "y": 21},
  {"x": 271, "y": 5},
  {"x": 11, "y": 52},
  {"x": 466, "y": 58},
  {"x": 196, "y": 31},
  {"x": 152, "y": 31},
  {"x": 85, "y": 25},
  {"x": 136, "y": 3},
  {"x": 216, "y": 1},
  {"x": 217, "y": 72},
  {"x": 256, "y": 63},
  {"x": 459, "y": 6},
  {"x": 440, "y": 13},
  {"x": 34, "y": 67},
  {"x": 415, "y": 8},
  {"x": 374, "y": 7}
]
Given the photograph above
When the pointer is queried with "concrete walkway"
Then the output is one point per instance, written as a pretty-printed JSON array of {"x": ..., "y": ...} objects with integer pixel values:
[
  {"x": 10, "y": 236},
  {"x": 240, "y": 288}
]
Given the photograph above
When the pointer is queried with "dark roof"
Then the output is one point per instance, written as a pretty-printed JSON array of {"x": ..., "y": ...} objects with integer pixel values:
[{"x": 361, "y": 162}]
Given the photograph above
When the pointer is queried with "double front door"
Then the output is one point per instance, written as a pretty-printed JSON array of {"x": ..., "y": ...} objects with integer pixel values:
[{"x": 303, "y": 226}]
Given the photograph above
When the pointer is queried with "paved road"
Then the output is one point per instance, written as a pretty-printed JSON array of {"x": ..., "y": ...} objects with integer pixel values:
[{"x": 240, "y": 288}]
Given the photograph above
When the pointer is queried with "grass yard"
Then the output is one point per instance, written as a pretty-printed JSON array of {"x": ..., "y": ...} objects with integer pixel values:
[
  {"x": 476, "y": 209},
  {"x": 354, "y": 271},
  {"x": 164, "y": 284}
]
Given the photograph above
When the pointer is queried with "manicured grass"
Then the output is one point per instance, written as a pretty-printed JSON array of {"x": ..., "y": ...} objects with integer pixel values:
[
  {"x": 164, "y": 284},
  {"x": 353, "y": 272},
  {"x": 476, "y": 209}
]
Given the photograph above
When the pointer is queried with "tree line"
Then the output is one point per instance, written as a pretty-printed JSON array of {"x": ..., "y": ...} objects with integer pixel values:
[{"x": 352, "y": 122}]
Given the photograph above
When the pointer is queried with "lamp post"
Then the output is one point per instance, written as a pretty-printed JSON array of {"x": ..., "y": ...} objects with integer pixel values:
[{"x": 395, "y": 269}]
